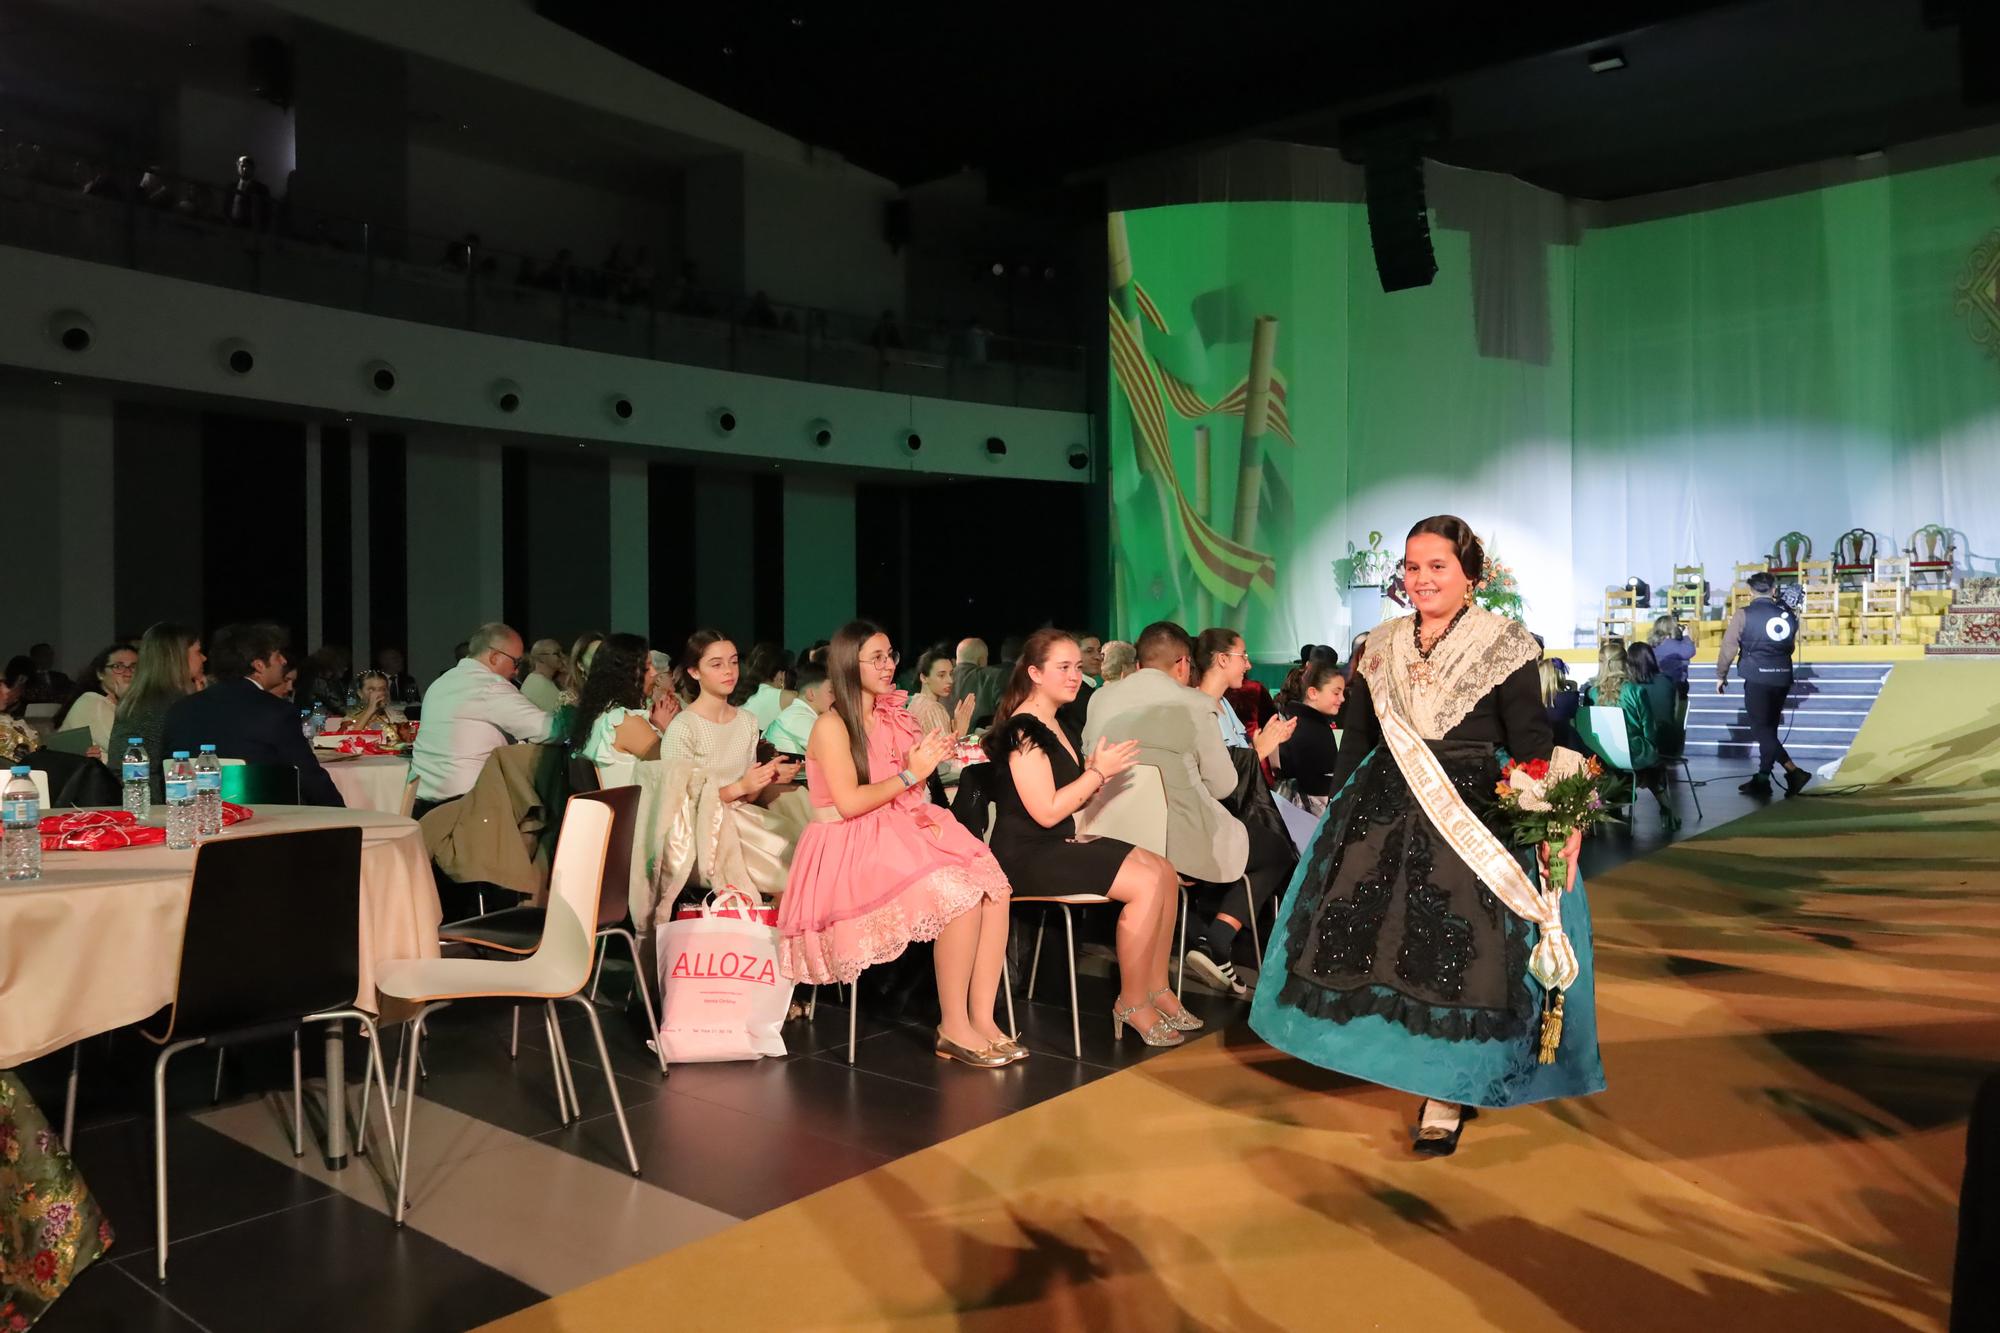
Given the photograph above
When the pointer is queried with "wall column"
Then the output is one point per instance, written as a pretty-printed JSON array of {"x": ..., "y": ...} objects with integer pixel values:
[
  {"x": 723, "y": 517},
  {"x": 315, "y": 626},
  {"x": 358, "y": 540},
  {"x": 454, "y": 535},
  {"x": 819, "y": 556},
  {"x": 630, "y": 535}
]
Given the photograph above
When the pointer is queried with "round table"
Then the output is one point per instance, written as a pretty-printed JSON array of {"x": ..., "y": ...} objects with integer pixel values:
[
  {"x": 94, "y": 944},
  {"x": 369, "y": 782}
]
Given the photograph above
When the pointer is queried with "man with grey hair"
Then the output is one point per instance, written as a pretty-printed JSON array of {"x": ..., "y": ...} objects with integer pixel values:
[
  {"x": 545, "y": 664},
  {"x": 469, "y": 712},
  {"x": 1121, "y": 659}
]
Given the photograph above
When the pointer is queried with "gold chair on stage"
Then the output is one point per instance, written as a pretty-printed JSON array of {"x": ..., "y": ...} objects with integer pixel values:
[
  {"x": 1819, "y": 613},
  {"x": 1687, "y": 595},
  {"x": 1620, "y": 615},
  {"x": 1886, "y": 598}
]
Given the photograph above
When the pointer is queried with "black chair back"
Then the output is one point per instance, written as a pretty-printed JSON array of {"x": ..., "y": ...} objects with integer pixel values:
[
  {"x": 612, "y": 899},
  {"x": 583, "y": 777},
  {"x": 260, "y": 784},
  {"x": 273, "y": 932}
]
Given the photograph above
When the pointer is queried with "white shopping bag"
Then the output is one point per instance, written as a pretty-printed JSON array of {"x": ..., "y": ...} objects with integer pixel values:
[{"x": 721, "y": 994}]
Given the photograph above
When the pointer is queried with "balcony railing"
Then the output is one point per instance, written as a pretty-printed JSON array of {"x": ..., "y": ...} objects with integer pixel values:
[{"x": 185, "y": 232}]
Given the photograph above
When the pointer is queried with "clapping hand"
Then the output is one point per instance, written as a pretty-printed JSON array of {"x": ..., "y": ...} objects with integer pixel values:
[
  {"x": 1273, "y": 734},
  {"x": 760, "y": 776},
  {"x": 961, "y": 716},
  {"x": 928, "y": 753},
  {"x": 1110, "y": 759},
  {"x": 665, "y": 709}
]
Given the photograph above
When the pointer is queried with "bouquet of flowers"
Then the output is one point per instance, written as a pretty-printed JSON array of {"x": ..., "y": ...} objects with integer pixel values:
[{"x": 1544, "y": 801}]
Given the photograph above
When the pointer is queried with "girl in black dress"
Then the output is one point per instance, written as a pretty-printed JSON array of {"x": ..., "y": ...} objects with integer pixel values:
[
  {"x": 1313, "y": 694},
  {"x": 1038, "y": 785}
]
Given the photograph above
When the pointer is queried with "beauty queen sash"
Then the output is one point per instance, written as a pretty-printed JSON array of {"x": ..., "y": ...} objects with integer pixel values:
[{"x": 1553, "y": 962}]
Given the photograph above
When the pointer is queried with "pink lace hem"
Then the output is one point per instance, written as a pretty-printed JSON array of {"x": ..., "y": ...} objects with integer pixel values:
[{"x": 846, "y": 949}]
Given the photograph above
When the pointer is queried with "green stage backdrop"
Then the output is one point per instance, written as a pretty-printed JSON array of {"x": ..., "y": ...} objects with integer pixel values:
[{"x": 1598, "y": 400}]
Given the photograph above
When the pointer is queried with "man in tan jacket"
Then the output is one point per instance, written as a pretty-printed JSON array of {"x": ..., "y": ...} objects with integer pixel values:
[{"x": 1177, "y": 733}]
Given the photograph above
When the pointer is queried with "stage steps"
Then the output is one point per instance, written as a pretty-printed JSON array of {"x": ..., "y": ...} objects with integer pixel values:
[{"x": 1826, "y": 707}]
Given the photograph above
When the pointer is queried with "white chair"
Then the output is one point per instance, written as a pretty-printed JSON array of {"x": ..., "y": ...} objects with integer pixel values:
[
  {"x": 1607, "y": 736},
  {"x": 558, "y": 969}
]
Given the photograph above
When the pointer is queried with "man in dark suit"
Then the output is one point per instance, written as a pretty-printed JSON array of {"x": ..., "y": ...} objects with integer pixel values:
[{"x": 241, "y": 718}]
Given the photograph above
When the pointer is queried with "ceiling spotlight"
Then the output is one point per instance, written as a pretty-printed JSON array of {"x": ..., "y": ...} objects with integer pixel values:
[
  {"x": 820, "y": 431},
  {"x": 996, "y": 447},
  {"x": 1079, "y": 456},
  {"x": 722, "y": 421},
  {"x": 1605, "y": 59},
  {"x": 999, "y": 269},
  {"x": 380, "y": 376}
]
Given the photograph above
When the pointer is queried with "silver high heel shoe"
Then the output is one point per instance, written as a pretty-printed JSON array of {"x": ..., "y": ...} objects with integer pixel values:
[
  {"x": 1180, "y": 1022},
  {"x": 1162, "y": 1032}
]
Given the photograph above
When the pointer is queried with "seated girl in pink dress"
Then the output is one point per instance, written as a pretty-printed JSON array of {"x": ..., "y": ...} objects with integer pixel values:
[{"x": 881, "y": 866}]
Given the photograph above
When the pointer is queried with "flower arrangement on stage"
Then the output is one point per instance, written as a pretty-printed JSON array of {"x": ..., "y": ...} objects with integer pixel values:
[
  {"x": 1364, "y": 568},
  {"x": 1499, "y": 591},
  {"x": 1545, "y": 801}
]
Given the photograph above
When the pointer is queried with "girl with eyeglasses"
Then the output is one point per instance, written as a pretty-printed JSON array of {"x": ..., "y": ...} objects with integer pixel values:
[
  {"x": 103, "y": 684},
  {"x": 880, "y": 866}
]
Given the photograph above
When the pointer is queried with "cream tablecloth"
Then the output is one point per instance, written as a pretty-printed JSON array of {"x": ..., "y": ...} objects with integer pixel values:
[
  {"x": 94, "y": 944},
  {"x": 370, "y": 782}
]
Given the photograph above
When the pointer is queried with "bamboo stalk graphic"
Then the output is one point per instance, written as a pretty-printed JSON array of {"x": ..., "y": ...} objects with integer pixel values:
[
  {"x": 1256, "y": 419},
  {"x": 1128, "y": 309},
  {"x": 1204, "y": 492}
]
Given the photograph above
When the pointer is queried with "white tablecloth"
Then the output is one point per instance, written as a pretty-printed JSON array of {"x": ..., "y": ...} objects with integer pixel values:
[
  {"x": 94, "y": 944},
  {"x": 371, "y": 782}
]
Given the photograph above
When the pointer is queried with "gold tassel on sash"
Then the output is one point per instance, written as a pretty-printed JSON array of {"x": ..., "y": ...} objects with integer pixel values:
[{"x": 1552, "y": 1029}]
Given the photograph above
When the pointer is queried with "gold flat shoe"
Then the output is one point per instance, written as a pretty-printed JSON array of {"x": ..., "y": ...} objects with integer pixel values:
[
  {"x": 1013, "y": 1050},
  {"x": 983, "y": 1058}
]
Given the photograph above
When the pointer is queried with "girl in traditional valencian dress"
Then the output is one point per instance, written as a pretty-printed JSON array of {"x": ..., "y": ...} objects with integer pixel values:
[{"x": 1402, "y": 950}]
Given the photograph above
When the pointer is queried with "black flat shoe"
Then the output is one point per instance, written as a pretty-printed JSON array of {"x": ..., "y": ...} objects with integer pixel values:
[
  {"x": 1438, "y": 1142},
  {"x": 1756, "y": 787}
]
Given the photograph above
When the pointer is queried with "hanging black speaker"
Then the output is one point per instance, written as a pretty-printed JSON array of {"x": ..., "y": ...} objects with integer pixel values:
[{"x": 1388, "y": 145}]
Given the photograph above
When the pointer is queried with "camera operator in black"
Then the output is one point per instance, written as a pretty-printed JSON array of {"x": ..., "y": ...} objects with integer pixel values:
[{"x": 1765, "y": 634}]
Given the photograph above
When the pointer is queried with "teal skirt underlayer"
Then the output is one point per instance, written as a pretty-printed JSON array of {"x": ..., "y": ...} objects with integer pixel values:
[{"x": 1400, "y": 1046}]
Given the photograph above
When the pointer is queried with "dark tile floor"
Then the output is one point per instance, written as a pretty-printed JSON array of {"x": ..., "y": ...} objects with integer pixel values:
[{"x": 260, "y": 1245}]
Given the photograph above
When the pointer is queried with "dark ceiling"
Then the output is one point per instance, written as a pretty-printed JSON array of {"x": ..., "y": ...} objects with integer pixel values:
[{"x": 1034, "y": 95}]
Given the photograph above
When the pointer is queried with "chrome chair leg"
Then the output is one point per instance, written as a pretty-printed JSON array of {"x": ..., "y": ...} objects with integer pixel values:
[
  {"x": 375, "y": 1077},
  {"x": 610, "y": 1081},
  {"x": 853, "y": 1015},
  {"x": 514, "y": 1042},
  {"x": 1180, "y": 957},
  {"x": 555, "y": 1061},
  {"x": 69, "y": 1094},
  {"x": 568, "y": 1070},
  {"x": 160, "y": 1147},
  {"x": 416, "y": 1026},
  {"x": 1075, "y": 1015},
  {"x": 1256, "y": 940},
  {"x": 1007, "y": 987},
  {"x": 215, "y": 1093},
  {"x": 298, "y": 1099},
  {"x": 597, "y": 969},
  {"x": 653, "y": 1018}
]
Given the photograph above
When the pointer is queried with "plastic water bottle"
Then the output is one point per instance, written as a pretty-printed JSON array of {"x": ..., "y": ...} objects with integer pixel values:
[
  {"x": 180, "y": 801},
  {"x": 207, "y": 793},
  {"x": 318, "y": 720},
  {"x": 306, "y": 724},
  {"x": 138, "y": 773},
  {"x": 21, "y": 846}
]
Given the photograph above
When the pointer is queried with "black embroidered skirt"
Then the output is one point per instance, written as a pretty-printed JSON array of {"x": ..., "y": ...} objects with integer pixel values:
[{"x": 1391, "y": 961}]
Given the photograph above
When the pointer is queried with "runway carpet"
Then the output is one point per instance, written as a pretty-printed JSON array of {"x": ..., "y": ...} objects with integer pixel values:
[{"x": 1795, "y": 1011}]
